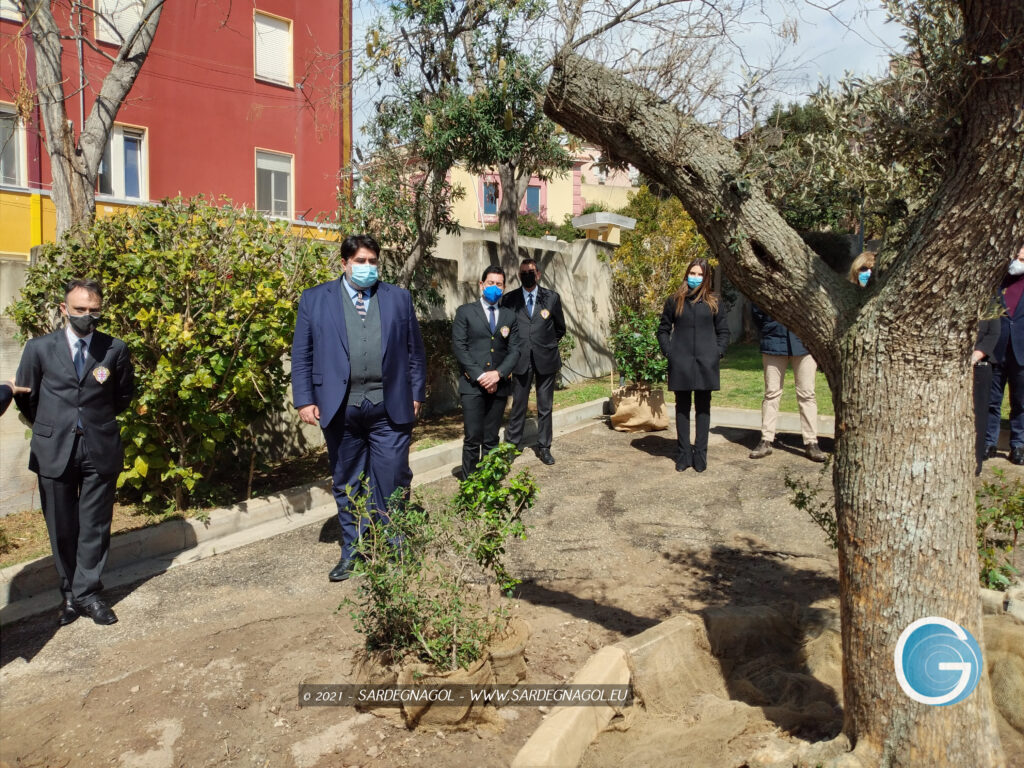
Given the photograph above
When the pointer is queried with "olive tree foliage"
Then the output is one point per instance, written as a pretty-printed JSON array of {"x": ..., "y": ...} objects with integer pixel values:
[
  {"x": 896, "y": 354},
  {"x": 75, "y": 160},
  {"x": 870, "y": 149}
]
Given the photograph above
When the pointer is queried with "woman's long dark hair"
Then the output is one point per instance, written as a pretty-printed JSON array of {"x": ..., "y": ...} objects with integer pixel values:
[{"x": 703, "y": 292}]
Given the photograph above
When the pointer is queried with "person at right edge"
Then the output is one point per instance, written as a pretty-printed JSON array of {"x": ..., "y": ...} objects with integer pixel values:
[
  {"x": 693, "y": 334},
  {"x": 1008, "y": 364},
  {"x": 780, "y": 348},
  {"x": 981, "y": 360},
  {"x": 541, "y": 326}
]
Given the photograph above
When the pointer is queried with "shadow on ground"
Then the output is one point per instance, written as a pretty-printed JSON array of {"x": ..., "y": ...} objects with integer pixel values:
[{"x": 609, "y": 617}]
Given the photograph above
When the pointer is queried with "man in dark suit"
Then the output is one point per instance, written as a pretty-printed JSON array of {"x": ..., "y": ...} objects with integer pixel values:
[
  {"x": 79, "y": 380},
  {"x": 541, "y": 326},
  {"x": 359, "y": 371},
  {"x": 485, "y": 340},
  {"x": 1008, "y": 364}
]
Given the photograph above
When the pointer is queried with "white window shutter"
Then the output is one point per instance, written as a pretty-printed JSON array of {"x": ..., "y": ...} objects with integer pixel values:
[
  {"x": 273, "y": 41},
  {"x": 116, "y": 19},
  {"x": 9, "y": 10}
]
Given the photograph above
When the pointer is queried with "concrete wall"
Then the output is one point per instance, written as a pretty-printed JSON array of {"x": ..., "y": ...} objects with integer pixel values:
[{"x": 17, "y": 484}]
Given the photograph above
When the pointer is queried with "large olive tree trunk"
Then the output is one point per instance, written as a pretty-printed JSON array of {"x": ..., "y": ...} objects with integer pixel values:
[
  {"x": 896, "y": 356},
  {"x": 74, "y": 164}
]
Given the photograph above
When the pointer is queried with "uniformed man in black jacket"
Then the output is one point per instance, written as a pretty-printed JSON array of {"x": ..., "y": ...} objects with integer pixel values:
[
  {"x": 485, "y": 340},
  {"x": 541, "y": 326},
  {"x": 79, "y": 380}
]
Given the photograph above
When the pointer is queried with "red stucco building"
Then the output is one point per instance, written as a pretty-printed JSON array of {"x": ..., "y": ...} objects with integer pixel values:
[{"x": 242, "y": 100}]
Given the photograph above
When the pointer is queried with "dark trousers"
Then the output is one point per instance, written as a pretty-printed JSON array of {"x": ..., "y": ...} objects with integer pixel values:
[
  {"x": 1009, "y": 372},
  {"x": 982, "y": 396},
  {"x": 521, "y": 385},
  {"x": 702, "y": 406},
  {"x": 78, "y": 507},
  {"x": 364, "y": 445},
  {"x": 481, "y": 421}
]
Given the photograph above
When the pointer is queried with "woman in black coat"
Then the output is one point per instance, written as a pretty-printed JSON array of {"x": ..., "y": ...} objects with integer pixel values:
[{"x": 693, "y": 334}]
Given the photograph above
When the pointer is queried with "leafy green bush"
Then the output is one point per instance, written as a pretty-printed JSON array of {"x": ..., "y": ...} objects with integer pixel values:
[
  {"x": 1000, "y": 505},
  {"x": 414, "y": 594},
  {"x": 205, "y": 298},
  {"x": 635, "y": 347}
]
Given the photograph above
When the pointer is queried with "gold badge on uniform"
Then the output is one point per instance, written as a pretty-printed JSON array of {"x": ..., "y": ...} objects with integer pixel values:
[
  {"x": 544, "y": 313},
  {"x": 100, "y": 373},
  {"x": 504, "y": 331}
]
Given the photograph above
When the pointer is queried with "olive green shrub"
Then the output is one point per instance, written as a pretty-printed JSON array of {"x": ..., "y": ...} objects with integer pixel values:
[{"x": 205, "y": 298}]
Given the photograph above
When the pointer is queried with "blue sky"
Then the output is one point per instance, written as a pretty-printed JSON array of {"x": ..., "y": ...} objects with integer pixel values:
[{"x": 851, "y": 37}]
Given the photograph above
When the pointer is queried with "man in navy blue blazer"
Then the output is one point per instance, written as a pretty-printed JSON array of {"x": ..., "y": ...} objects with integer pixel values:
[{"x": 359, "y": 371}]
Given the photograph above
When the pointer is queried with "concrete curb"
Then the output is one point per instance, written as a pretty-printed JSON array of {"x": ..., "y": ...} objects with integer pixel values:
[
  {"x": 563, "y": 738},
  {"x": 32, "y": 587}
]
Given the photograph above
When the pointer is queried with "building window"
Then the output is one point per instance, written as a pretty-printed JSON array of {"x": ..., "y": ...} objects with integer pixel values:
[
  {"x": 12, "y": 148},
  {"x": 9, "y": 10},
  {"x": 533, "y": 200},
  {"x": 273, "y": 48},
  {"x": 490, "y": 198},
  {"x": 274, "y": 184},
  {"x": 123, "y": 168},
  {"x": 115, "y": 19}
]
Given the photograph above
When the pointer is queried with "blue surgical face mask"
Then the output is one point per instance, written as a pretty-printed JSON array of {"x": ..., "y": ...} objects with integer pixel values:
[
  {"x": 491, "y": 294},
  {"x": 693, "y": 282},
  {"x": 364, "y": 275},
  {"x": 863, "y": 277}
]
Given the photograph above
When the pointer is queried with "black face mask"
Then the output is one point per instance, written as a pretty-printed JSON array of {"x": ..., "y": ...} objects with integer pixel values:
[
  {"x": 84, "y": 324},
  {"x": 528, "y": 279}
]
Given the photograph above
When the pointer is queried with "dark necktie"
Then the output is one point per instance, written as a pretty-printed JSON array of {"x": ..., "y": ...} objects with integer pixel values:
[
  {"x": 360, "y": 305},
  {"x": 529, "y": 304},
  {"x": 494, "y": 322},
  {"x": 80, "y": 358}
]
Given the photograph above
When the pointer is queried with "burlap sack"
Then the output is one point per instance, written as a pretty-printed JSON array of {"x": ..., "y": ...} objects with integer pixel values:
[
  {"x": 639, "y": 409},
  {"x": 478, "y": 673},
  {"x": 508, "y": 652}
]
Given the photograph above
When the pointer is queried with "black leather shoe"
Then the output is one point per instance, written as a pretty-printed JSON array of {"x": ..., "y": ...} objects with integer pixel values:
[
  {"x": 683, "y": 462},
  {"x": 990, "y": 452},
  {"x": 98, "y": 611},
  {"x": 342, "y": 570},
  {"x": 544, "y": 454},
  {"x": 700, "y": 461},
  {"x": 67, "y": 613},
  {"x": 1017, "y": 455}
]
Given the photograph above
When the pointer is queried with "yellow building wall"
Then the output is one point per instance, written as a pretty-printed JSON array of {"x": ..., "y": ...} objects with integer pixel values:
[
  {"x": 611, "y": 197},
  {"x": 556, "y": 201},
  {"x": 28, "y": 219}
]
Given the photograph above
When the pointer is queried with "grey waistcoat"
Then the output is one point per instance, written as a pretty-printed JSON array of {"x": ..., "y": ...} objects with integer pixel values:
[{"x": 364, "y": 352}]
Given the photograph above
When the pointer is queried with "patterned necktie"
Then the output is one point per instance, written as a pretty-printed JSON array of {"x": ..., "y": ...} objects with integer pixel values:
[
  {"x": 494, "y": 323},
  {"x": 360, "y": 305},
  {"x": 80, "y": 358},
  {"x": 529, "y": 304}
]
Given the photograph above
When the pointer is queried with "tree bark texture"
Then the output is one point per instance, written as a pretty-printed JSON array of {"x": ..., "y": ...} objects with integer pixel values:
[
  {"x": 513, "y": 182},
  {"x": 896, "y": 355},
  {"x": 75, "y": 165}
]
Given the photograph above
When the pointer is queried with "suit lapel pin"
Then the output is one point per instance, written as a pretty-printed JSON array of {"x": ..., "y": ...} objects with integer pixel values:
[
  {"x": 504, "y": 331},
  {"x": 544, "y": 313},
  {"x": 100, "y": 373}
]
